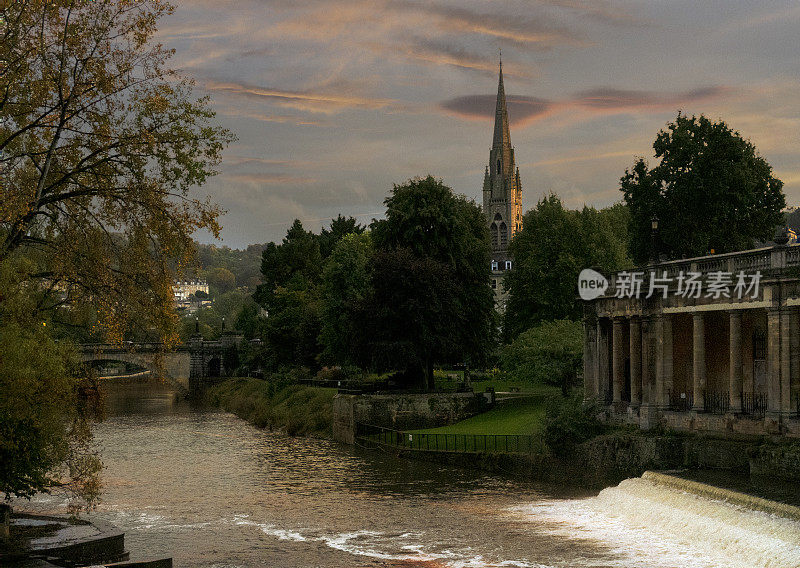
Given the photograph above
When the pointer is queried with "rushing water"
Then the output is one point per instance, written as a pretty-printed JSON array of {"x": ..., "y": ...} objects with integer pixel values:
[{"x": 210, "y": 490}]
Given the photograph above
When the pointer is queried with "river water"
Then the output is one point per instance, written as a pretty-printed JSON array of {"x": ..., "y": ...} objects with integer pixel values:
[{"x": 212, "y": 491}]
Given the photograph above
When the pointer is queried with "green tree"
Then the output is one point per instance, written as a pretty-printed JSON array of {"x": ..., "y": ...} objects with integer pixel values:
[
  {"x": 550, "y": 353},
  {"x": 710, "y": 190},
  {"x": 340, "y": 227},
  {"x": 291, "y": 272},
  {"x": 345, "y": 287},
  {"x": 447, "y": 234},
  {"x": 554, "y": 245},
  {"x": 220, "y": 281}
]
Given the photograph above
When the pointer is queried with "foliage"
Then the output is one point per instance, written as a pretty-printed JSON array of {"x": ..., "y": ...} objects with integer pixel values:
[
  {"x": 100, "y": 144},
  {"x": 569, "y": 422},
  {"x": 290, "y": 293},
  {"x": 277, "y": 404},
  {"x": 244, "y": 263},
  {"x": 45, "y": 406},
  {"x": 550, "y": 353},
  {"x": 431, "y": 300},
  {"x": 344, "y": 289},
  {"x": 554, "y": 245},
  {"x": 220, "y": 281},
  {"x": 710, "y": 190},
  {"x": 340, "y": 228}
]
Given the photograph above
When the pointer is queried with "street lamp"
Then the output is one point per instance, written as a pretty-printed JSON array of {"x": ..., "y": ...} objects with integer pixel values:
[{"x": 653, "y": 239}]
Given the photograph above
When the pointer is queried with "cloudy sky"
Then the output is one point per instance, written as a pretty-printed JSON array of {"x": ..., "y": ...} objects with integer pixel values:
[{"x": 334, "y": 101}]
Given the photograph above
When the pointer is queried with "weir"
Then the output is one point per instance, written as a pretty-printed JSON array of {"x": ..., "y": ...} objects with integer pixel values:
[{"x": 657, "y": 517}]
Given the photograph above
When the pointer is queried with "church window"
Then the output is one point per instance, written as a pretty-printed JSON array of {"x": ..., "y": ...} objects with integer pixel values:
[
  {"x": 499, "y": 168},
  {"x": 508, "y": 265},
  {"x": 494, "y": 265},
  {"x": 503, "y": 235},
  {"x": 493, "y": 231},
  {"x": 498, "y": 217}
]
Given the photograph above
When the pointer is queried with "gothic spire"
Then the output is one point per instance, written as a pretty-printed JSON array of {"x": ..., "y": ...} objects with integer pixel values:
[{"x": 502, "y": 137}]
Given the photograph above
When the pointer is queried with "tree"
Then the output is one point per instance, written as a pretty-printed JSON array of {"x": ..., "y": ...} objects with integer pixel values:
[
  {"x": 554, "y": 245},
  {"x": 340, "y": 227},
  {"x": 447, "y": 234},
  {"x": 46, "y": 401},
  {"x": 710, "y": 191},
  {"x": 100, "y": 144},
  {"x": 345, "y": 287},
  {"x": 220, "y": 281},
  {"x": 550, "y": 353}
]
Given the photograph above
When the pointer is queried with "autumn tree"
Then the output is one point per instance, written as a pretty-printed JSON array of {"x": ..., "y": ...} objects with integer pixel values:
[
  {"x": 100, "y": 145},
  {"x": 710, "y": 191}
]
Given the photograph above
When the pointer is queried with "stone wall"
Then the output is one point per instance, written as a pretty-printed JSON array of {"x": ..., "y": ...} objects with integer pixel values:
[{"x": 402, "y": 411}]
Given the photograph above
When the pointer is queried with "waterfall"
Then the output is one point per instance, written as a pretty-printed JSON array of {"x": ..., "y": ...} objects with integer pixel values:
[{"x": 663, "y": 521}]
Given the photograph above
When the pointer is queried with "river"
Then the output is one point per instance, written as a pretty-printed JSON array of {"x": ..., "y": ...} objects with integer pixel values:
[{"x": 210, "y": 490}]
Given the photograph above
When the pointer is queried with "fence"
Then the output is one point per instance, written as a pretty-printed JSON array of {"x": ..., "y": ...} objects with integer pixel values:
[
  {"x": 716, "y": 402},
  {"x": 460, "y": 443},
  {"x": 754, "y": 403}
]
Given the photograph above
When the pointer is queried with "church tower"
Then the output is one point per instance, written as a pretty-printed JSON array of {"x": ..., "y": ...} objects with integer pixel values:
[{"x": 502, "y": 195}]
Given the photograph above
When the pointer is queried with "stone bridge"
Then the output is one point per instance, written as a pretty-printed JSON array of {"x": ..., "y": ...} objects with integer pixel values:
[{"x": 190, "y": 368}]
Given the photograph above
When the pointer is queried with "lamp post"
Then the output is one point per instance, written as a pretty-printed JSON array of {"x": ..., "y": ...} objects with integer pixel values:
[{"x": 654, "y": 239}]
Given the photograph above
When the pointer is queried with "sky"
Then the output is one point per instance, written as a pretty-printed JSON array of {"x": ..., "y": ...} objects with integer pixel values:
[{"x": 334, "y": 101}]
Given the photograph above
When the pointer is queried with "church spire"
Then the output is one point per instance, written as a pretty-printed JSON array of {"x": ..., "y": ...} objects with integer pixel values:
[{"x": 502, "y": 137}]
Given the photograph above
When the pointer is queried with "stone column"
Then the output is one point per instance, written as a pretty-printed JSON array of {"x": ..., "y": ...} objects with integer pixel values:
[
  {"x": 699, "y": 360},
  {"x": 590, "y": 376},
  {"x": 602, "y": 360},
  {"x": 636, "y": 361},
  {"x": 667, "y": 361},
  {"x": 786, "y": 361},
  {"x": 617, "y": 361},
  {"x": 773, "y": 361},
  {"x": 735, "y": 361},
  {"x": 794, "y": 356},
  {"x": 647, "y": 362}
]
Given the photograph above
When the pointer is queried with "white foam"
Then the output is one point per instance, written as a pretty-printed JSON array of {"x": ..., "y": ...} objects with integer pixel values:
[{"x": 651, "y": 525}]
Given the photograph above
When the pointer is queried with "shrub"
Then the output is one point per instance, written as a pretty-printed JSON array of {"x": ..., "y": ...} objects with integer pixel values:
[
  {"x": 570, "y": 421},
  {"x": 550, "y": 353}
]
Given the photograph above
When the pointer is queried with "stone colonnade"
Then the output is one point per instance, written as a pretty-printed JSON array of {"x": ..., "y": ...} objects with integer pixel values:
[{"x": 629, "y": 363}]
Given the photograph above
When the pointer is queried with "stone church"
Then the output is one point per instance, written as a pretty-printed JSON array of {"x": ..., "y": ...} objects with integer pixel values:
[{"x": 502, "y": 196}]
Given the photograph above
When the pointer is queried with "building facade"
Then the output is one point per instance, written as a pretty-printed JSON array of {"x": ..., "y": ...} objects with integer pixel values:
[
  {"x": 709, "y": 343},
  {"x": 502, "y": 196}
]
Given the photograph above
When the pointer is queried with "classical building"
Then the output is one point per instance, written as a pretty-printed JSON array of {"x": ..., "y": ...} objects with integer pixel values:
[
  {"x": 709, "y": 343},
  {"x": 502, "y": 195}
]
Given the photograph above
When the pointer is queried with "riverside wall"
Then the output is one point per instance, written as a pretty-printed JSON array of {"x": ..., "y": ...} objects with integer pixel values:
[{"x": 402, "y": 411}]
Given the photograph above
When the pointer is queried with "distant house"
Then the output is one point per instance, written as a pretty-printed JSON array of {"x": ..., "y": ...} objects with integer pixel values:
[{"x": 184, "y": 291}]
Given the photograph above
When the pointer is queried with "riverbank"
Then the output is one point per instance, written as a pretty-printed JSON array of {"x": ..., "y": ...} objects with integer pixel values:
[{"x": 296, "y": 409}]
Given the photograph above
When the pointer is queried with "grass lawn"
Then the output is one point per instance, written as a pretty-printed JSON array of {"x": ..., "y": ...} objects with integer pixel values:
[{"x": 516, "y": 416}]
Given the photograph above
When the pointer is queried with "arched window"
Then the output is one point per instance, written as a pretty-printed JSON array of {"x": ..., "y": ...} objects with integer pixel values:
[
  {"x": 503, "y": 235},
  {"x": 493, "y": 231},
  {"x": 494, "y": 265},
  {"x": 508, "y": 265},
  {"x": 499, "y": 167},
  {"x": 498, "y": 217}
]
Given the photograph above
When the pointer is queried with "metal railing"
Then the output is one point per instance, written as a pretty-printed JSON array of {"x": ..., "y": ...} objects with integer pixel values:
[
  {"x": 754, "y": 403},
  {"x": 459, "y": 443},
  {"x": 716, "y": 402},
  {"x": 680, "y": 401}
]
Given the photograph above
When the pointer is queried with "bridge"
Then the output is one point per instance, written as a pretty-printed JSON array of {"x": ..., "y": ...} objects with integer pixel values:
[{"x": 190, "y": 368}]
